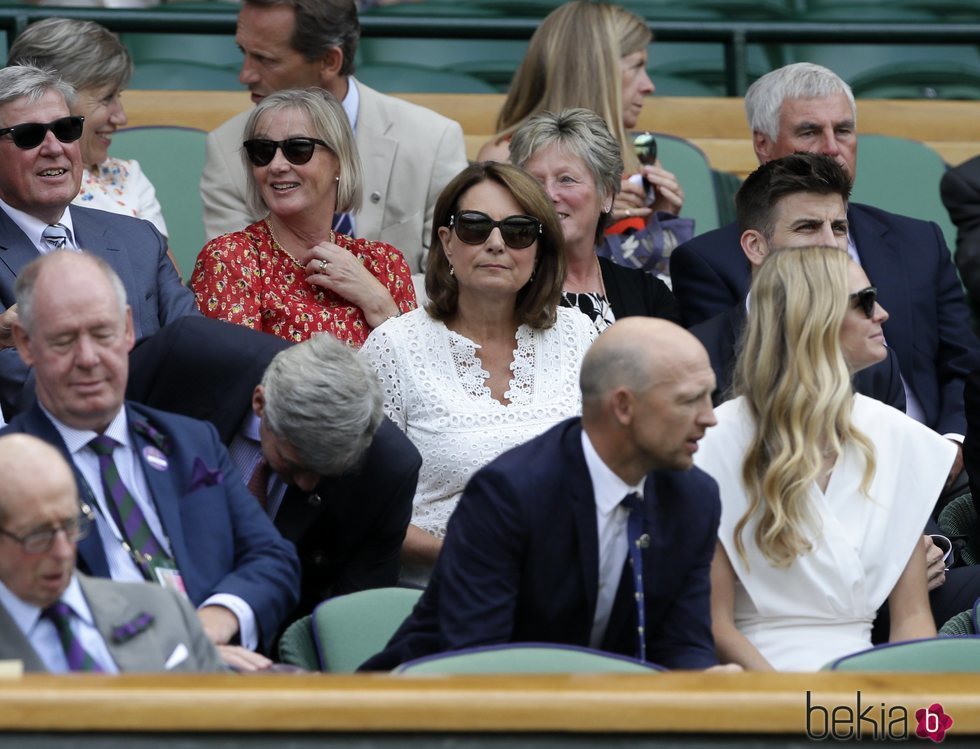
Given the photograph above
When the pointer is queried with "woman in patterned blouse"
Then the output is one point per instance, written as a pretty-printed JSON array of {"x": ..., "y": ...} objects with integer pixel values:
[{"x": 291, "y": 274}]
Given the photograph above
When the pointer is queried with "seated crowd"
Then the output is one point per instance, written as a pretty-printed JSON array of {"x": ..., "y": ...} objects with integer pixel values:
[{"x": 533, "y": 440}]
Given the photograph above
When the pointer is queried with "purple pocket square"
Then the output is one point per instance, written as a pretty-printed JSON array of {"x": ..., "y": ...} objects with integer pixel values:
[
  {"x": 204, "y": 476},
  {"x": 130, "y": 629}
]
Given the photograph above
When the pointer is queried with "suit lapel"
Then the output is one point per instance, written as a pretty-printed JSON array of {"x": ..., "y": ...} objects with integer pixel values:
[
  {"x": 583, "y": 510},
  {"x": 14, "y": 645},
  {"x": 164, "y": 485},
  {"x": 91, "y": 555},
  {"x": 377, "y": 152},
  {"x": 16, "y": 251},
  {"x": 883, "y": 265}
]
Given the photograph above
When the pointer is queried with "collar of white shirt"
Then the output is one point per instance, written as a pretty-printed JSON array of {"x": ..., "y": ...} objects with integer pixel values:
[
  {"x": 608, "y": 488},
  {"x": 33, "y": 227}
]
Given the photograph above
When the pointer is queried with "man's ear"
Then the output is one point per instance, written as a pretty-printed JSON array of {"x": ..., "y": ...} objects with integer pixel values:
[
  {"x": 621, "y": 406},
  {"x": 754, "y": 245},
  {"x": 22, "y": 341},
  {"x": 330, "y": 65},
  {"x": 763, "y": 147},
  {"x": 258, "y": 401}
]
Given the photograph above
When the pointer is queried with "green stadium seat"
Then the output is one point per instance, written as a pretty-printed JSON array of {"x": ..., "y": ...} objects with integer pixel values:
[
  {"x": 525, "y": 658},
  {"x": 919, "y": 80},
  {"x": 902, "y": 176},
  {"x": 181, "y": 75},
  {"x": 173, "y": 159},
  {"x": 212, "y": 49},
  {"x": 691, "y": 166},
  {"x": 936, "y": 655}
]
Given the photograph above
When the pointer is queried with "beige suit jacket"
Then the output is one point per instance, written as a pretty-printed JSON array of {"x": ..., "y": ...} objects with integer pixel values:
[
  {"x": 408, "y": 155},
  {"x": 174, "y": 630}
]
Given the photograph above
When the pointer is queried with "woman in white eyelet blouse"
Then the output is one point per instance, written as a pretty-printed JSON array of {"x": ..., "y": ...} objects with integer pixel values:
[{"x": 492, "y": 361}]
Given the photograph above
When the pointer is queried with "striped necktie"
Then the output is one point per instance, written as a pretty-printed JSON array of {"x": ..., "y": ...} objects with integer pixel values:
[
  {"x": 55, "y": 236},
  {"x": 59, "y": 614},
  {"x": 137, "y": 536},
  {"x": 638, "y": 541}
]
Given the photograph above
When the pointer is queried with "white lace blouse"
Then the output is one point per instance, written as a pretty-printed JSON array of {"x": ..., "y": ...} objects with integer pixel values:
[
  {"x": 435, "y": 390},
  {"x": 119, "y": 186}
]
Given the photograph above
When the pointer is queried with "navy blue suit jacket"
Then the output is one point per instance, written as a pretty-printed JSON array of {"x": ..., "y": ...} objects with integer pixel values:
[
  {"x": 520, "y": 562},
  {"x": 221, "y": 539},
  {"x": 720, "y": 334},
  {"x": 134, "y": 249},
  {"x": 907, "y": 259}
]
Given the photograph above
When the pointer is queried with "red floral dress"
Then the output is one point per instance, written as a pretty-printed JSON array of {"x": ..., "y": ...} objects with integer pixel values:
[{"x": 246, "y": 278}]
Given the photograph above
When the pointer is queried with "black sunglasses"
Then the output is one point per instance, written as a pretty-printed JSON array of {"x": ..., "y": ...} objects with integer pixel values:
[
  {"x": 30, "y": 135},
  {"x": 865, "y": 300},
  {"x": 518, "y": 232},
  {"x": 296, "y": 150}
]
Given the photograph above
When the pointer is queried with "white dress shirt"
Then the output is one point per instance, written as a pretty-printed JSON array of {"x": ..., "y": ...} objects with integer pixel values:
[{"x": 33, "y": 227}]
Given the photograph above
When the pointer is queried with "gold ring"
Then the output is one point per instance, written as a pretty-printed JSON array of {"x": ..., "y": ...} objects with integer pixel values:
[{"x": 323, "y": 266}]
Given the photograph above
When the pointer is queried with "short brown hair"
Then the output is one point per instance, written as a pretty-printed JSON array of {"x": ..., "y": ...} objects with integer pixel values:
[{"x": 537, "y": 302}]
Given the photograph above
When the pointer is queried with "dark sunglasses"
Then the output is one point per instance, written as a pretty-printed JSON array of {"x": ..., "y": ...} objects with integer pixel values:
[
  {"x": 865, "y": 300},
  {"x": 31, "y": 134},
  {"x": 296, "y": 150},
  {"x": 518, "y": 232}
]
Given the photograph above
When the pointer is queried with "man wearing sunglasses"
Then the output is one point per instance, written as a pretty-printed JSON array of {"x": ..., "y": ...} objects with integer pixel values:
[
  {"x": 408, "y": 153},
  {"x": 41, "y": 175},
  {"x": 54, "y": 619}
]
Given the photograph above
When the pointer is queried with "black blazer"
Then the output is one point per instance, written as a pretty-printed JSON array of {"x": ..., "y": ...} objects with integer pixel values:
[
  {"x": 633, "y": 292},
  {"x": 349, "y": 531}
]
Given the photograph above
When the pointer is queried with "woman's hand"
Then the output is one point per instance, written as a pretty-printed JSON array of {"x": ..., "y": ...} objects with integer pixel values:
[
  {"x": 632, "y": 200},
  {"x": 332, "y": 267}
]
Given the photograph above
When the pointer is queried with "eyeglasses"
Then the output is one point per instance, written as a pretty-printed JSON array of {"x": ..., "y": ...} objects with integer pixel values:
[
  {"x": 296, "y": 150},
  {"x": 865, "y": 300},
  {"x": 518, "y": 232},
  {"x": 41, "y": 541},
  {"x": 31, "y": 134}
]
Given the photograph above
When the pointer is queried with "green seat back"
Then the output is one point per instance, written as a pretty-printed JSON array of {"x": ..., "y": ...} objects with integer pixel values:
[
  {"x": 183, "y": 75},
  {"x": 350, "y": 629},
  {"x": 691, "y": 166},
  {"x": 936, "y": 655},
  {"x": 297, "y": 646},
  {"x": 172, "y": 159},
  {"x": 958, "y": 520},
  {"x": 413, "y": 79},
  {"x": 530, "y": 658},
  {"x": 902, "y": 176}
]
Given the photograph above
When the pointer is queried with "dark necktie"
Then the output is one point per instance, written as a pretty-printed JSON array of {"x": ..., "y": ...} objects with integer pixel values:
[
  {"x": 343, "y": 223},
  {"x": 638, "y": 541},
  {"x": 55, "y": 236},
  {"x": 129, "y": 518},
  {"x": 79, "y": 659}
]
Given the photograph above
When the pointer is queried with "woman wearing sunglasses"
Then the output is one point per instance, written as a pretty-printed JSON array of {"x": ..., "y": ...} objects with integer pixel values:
[
  {"x": 824, "y": 493},
  {"x": 291, "y": 274},
  {"x": 492, "y": 360},
  {"x": 93, "y": 60},
  {"x": 578, "y": 162}
]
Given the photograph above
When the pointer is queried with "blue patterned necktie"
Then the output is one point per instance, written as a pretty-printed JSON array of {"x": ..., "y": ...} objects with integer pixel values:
[
  {"x": 638, "y": 541},
  {"x": 55, "y": 236},
  {"x": 124, "y": 509},
  {"x": 343, "y": 223},
  {"x": 79, "y": 659}
]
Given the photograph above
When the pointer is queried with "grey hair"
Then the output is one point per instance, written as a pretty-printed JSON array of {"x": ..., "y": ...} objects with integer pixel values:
[
  {"x": 83, "y": 53},
  {"x": 801, "y": 80},
  {"x": 580, "y": 132},
  {"x": 32, "y": 82},
  {"x": 27, "y": 281},
  {"x": 330, "y": 124},
  {"x": 325, "y": 402},
  {"x": 321, "y": 25}
]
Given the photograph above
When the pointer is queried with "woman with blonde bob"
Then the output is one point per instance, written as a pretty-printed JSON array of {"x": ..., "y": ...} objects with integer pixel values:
[
  {"x": 594, "y": 56},
  {"x": 824, "y": 493}
]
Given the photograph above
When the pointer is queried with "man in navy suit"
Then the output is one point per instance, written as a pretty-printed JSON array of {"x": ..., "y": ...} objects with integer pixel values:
[
  {"x": 41, "y": 174},
  {"x": 796, "y": 201},
  {"x": 169, "y": 505},
  {"x": 805, "y": 107},
  {"x": 537, "y": 547}
]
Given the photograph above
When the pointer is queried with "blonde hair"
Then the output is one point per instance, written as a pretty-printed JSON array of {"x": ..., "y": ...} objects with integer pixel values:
[
  {"x": 797, "y": 386},
  {"x": 573, "y": 60}
]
